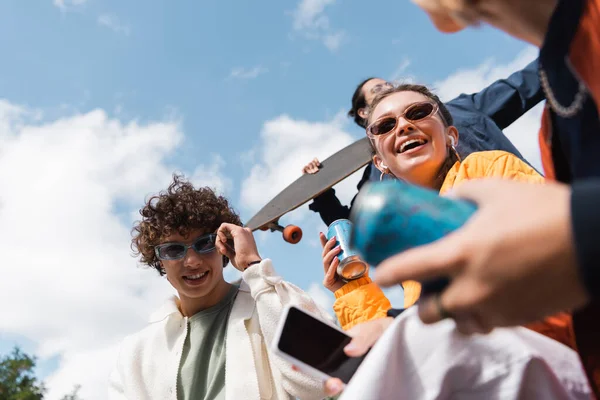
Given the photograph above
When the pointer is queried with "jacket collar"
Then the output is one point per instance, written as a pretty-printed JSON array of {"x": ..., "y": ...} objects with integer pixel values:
[{"x": 171, "y": 306}]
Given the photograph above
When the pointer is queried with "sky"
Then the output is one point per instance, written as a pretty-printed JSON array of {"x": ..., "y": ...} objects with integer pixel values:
[{"x": 102, "y": 100}]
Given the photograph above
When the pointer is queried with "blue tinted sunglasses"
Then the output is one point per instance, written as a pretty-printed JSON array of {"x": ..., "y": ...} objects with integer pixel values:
[{"x": 176, "y": 251}]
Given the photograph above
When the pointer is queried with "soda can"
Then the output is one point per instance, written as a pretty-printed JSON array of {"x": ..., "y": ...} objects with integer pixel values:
[
  {"x": 351, "y": 266},
  {"x": 390, "y": 217}
]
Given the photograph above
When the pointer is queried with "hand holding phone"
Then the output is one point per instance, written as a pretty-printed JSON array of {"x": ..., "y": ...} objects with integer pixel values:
[{"x": 314, "y": 346}]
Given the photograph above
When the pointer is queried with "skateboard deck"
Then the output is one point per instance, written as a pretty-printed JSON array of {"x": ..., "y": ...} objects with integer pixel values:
[{"x": 333, "y": 170}]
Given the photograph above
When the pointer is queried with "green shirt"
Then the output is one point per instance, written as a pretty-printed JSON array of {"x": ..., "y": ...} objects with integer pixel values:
[{"x": 202, "y": 366}]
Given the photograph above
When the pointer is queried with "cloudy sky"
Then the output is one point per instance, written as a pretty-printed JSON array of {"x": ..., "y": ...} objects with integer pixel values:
[{"x": 102, "y": 100}]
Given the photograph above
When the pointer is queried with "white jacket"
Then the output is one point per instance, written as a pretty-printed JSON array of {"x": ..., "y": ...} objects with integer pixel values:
[
  {"x": 436, "y": 362},
  {"x": 149, "y": 360}
]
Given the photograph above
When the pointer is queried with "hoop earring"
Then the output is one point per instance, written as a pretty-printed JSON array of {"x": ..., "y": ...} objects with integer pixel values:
[
  {"x": 385, "y": 172},
  {"x": 455, "y": 153}
]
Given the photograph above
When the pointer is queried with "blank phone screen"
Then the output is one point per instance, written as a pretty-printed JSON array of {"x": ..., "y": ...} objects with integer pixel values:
[{"x": 318, "y": 345}]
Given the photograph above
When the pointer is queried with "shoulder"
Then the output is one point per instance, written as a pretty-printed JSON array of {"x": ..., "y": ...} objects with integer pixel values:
[
  {"x": 498, "y": 163},
  {"x": 164, "y": 320}
]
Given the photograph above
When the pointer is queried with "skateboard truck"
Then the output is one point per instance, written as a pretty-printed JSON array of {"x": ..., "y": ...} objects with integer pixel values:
[{"x": 291, "y": 233}]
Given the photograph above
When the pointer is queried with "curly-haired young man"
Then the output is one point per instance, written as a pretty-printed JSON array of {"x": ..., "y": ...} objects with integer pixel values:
[{"x": 211, "y": 341}]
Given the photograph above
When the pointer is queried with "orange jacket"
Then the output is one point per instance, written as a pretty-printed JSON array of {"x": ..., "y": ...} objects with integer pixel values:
[{"x": 362, "y": 300}]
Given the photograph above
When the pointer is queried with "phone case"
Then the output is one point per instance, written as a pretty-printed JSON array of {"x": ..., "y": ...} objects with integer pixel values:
[{"x": 294, "y": 361}]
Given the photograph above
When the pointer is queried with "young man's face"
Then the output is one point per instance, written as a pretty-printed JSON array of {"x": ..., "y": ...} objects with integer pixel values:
[{"x": 195, "y": 275}]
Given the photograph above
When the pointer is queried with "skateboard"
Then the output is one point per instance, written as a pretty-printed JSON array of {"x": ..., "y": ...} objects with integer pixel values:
[{"x": 333, "y": 170}]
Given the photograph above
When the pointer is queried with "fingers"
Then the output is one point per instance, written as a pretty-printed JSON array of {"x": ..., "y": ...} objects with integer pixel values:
[
  {"x": 438, "y": 259},
  {"x": 312, "y": 167},
  {"x": 431, "y": 309},
  {"x": 333, "y": 386},
  {"x": 223, "y": 248},
  {"x": 323, "y": 239},
  {"x": 331, "y": 272},
  {"x": 327, "y": 246},
  {"x": 227, "y": 231},
  {"x": 329, "y": 257},
  {"x": 358, "y": 346}
]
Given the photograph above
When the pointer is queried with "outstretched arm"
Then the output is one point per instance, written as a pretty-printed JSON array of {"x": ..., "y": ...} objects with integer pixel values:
[{"x": 506, "y": 100}]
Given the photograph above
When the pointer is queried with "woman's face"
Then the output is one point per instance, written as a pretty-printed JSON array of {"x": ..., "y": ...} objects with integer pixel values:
[{"x": 413, "y": 151}]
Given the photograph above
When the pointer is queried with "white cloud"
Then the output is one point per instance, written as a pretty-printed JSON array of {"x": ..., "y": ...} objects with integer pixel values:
[
  {"x": 321, "y": 296},
  {"x": 65, "y": 4},
  {"x": 310, "y": 20},
  {"x": 286, "y": 145},
  {"x": 250, "y": 73},
  {"x": 212, "y": 175},
  {"x": 113, "y": 23},
  {"x": 67, "y": 263},
  {"x": 333, "y": 41},
  {"x": 398, "y": 74},
  {"x": 471, "y": 80},
  {"x": 523, "y": 132},
  {"x": 310, "y": 14}
]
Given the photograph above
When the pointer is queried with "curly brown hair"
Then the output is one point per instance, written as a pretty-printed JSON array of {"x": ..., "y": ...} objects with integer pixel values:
[{"x": 181, "y": 208}]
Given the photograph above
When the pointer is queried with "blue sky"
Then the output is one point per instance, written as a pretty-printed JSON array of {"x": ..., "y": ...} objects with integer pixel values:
[{"x": 100, "y": 101}]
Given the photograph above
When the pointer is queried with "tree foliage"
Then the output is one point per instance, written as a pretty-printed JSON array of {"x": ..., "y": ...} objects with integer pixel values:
[{"x": 18, "y": 380}]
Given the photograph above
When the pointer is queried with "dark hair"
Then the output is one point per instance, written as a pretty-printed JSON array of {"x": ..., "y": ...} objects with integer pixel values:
[
  {"x": 447, "y": 119},
  {"x": 181, "y": 208},
  {"x": 358, "y": 102}
]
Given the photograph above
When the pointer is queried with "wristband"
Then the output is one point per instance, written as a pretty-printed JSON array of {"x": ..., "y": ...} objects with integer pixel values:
[
  {"x": 252, "y": 263},
  {"x": 394, "y": 312}
]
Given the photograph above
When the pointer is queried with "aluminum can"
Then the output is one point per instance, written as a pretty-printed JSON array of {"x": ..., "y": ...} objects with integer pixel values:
[
  {"x": 351, "y": 266},
  {"x": 392, "y": 216}
]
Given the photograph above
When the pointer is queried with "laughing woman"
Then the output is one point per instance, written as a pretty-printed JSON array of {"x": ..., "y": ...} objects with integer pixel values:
[{"x": 413, "y": 139}]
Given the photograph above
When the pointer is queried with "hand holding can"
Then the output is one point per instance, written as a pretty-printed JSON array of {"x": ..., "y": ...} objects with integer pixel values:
[{"x": 350, "y": 265}]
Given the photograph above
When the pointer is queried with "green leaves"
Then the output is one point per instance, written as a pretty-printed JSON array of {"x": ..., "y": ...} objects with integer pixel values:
[{"x": 18, "y": 380}]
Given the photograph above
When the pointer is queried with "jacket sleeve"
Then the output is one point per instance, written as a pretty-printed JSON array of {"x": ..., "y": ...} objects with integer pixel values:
[
  {"x": 116, "y": 379},
  {"x": 508, "y": 166},
  {"x": 584, "y": 52},
  {"x": 272, "y": 294},
  {"x": 116, "y": 390},
  {"x": 579, "y": 19},
  {"x": 360, "y": 301},
  {"x": 506, "y": 100},
  {"x": 329, "y": 206},
  {"x": 585, "y": 220}
]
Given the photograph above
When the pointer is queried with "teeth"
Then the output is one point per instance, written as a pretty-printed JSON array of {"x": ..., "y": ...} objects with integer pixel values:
[
  {"x": 419, "y": 141},
  {"x": 197, "y": 276}
]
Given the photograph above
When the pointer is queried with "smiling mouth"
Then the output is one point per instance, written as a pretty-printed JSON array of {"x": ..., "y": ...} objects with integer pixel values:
[
  {"x": 195, "y": 278},
  {"x": 411, "y": 144}
]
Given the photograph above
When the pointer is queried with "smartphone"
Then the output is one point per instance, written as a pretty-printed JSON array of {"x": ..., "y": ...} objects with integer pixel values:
[{"x": 314, "y": 346}]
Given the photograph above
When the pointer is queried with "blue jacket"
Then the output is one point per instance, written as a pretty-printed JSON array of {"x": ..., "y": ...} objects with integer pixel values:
[{"x": 479, "y": 118}]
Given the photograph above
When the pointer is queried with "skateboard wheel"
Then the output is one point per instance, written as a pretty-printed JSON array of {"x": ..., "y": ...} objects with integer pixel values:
[
  {"x": 292, "y": 234},
  {"x": 264, "y": 228}
]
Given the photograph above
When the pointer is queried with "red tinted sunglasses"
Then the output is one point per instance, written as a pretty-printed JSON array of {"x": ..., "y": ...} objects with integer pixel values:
[{"x": 413, "y": 113}]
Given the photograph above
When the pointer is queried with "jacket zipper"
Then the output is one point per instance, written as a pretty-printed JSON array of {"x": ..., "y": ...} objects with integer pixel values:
[{"x": 185, "y": 321}]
